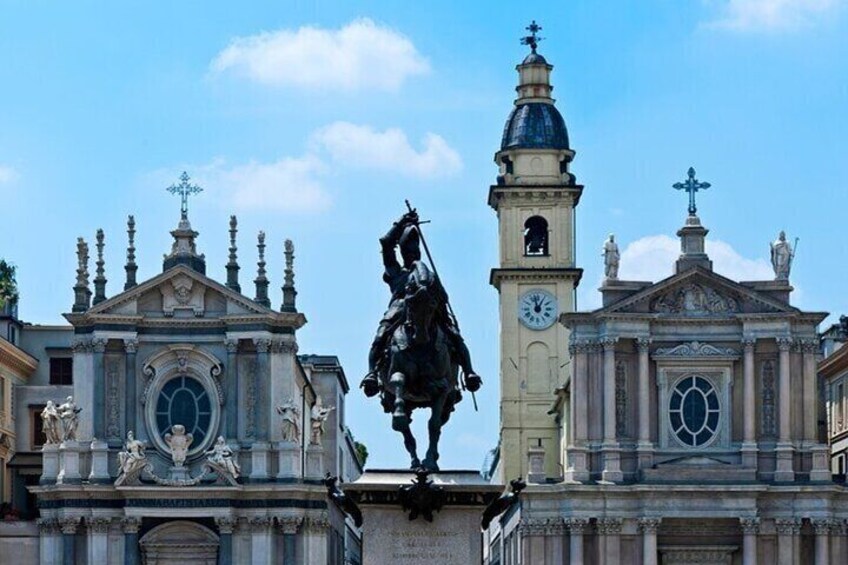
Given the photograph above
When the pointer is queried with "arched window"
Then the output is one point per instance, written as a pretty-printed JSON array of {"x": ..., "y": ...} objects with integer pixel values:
[{"x": 536, "y": 236}]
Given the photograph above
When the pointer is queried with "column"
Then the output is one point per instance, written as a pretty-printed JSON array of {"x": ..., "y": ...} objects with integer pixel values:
[
  {"x": 576, "y": 528},
  {"x": 225, "y": 535},
  {"x": 612, "y": 455},
  {"x": 289, "y": 526},
  {"x": 98, "y": 409},
  {"x": 232, "y": 389},
  {"x": 69, "y": 526},
  {"x": 315, "y": 528},
  {"x": 644, "y": 446},
  {"x": 788, "y": 530},
  {"x": 131, "y": 524},
  {"x": 649, "y": 527},
  {"x": 750, "y": 529},
  {"x": 263, "y": 389},
  {"x": 48, "y": 541},
  {"x": 810, "y": 348},
  {"x": 130, "y": 401},
  {"x": 749, "y": 406},
  {"x": 261, "y": 548},
  {"x": 822, "y": 529},
  {"x": 784, "y": 471},
  {"x": 577, "y": 464},
  {"x": 610, "y": 544},
  {"x": 98, "y": 540}
]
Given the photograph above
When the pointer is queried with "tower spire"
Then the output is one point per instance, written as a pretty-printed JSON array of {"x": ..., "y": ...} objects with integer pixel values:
[
  {"x": 100, "y": 278},
  {"x": 232, "y": 264},
  {"x": 261, "y": 280},
  {"x": 289, "y": 292},
  {"x": 82, "y": 294},
  {"x": 130, "y": 267}
]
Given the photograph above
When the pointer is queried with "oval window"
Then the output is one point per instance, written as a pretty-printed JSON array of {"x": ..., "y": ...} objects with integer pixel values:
[
  {"x": 184, "y": 400},
  {"x": 694, "y": 412}
]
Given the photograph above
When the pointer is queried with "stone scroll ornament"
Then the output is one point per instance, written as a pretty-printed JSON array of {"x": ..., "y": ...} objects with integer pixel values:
[
  {"x": 422, "y": 497},
  {"x": 503, "y": 503},
  {"x": 342, "y": 500}
]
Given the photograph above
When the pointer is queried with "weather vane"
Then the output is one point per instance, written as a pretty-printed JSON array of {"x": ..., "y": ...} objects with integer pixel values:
[
  {"x": 184, "y": 189},
  {"x": 691, "y": 185},
  {"x": 532, "y": 40}
]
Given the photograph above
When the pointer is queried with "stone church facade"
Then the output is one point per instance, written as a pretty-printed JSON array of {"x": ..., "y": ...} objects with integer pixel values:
[
  {"x": 180, "y": 349},
  {"x": 680, "y": 422}
]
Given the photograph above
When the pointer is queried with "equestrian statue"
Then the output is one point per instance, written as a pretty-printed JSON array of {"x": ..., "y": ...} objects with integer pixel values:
[{"x": 418, "y": 352}]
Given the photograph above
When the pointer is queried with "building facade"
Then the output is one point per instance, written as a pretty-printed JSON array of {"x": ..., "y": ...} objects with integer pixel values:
[
  {"x": 687, "y": 410},
  {"x": 175, "y": 421},
  {"x": 833, "y": 373}
]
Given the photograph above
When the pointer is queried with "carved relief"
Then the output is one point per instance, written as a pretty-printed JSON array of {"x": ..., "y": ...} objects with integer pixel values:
[
  {"x": 768, "y": 398},
  {"x": 250, "y": 401},
  {"x": 113, "y": 425},
  {"x": 620, "y": 399},
  {"x": 183, "y": 294},
  {"x": 694, "y": 299},
  {"x": 695, "y": 349}
]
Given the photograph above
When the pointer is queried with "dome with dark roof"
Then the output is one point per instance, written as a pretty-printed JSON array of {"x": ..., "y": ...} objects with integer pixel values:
[
  {"x": 534, "y": 59},
  {"x": 535, "y": 125}
]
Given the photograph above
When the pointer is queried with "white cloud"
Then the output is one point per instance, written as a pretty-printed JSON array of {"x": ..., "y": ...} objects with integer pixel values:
[
  {"x": 652, "y": 258},
  {"x": 773, "y": 15},
  {"x": 8, "y": 174},
  {"x": 359, "y": 56},
  {"x": 389, "y": 150}
]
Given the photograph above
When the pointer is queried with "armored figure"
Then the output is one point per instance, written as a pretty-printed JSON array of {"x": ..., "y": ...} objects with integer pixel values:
[{"x": 406, "y": 280}]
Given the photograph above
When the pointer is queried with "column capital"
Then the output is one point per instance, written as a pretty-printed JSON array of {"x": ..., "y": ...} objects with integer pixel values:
[
  {"x": 788, "y": 526},
  {"x": 822, "y": 526},
  {"x": 258, "y": 523},
  {"x": 131, "y": 524},
  {"x": 48, "y": 525},
  {"x": 608, "y": 343},
  {"x": 643, "y": 344},
  {"x": 784, "y": 343},
  {"x": 232, "y": 345},
  {"x": 82, "y": 345},
  {"x": 649, "y": 525},
  {"x": 749, "y": 524},
  {"x": 98, "y": 344},
  {"x": 226, "y": 524},
  {"x": 577, "y": 526},
  {"x": 69, "y": 524},
  {"x": 263, "y": 344},
  {"x": 809, "y": 345},
  {"x": 289, "y": 525},
  {"x": 749, "y": 342},
  {"x": 283, "y": 345},
  {"x": 98, "y": 525},
  {"x": 609, "y": 526},
  {"x": 579, "y": 346},
  {"x": 532, "y": 526},
  {"x": 131, "y": 345},
  {"x": 317, "y": 524}
]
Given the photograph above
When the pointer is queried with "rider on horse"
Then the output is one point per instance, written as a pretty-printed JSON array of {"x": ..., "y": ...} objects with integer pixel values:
[{"x": 404, "y": 281}]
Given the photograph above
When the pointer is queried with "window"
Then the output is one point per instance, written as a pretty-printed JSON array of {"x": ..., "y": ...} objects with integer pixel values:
[
  {"x": 183, "y": 400},
  {"x": 37, "y": 439},
  {"x": 2, "y": 401},
  {"x": 536, "y": 236},
  {"x": 61, "y": 371},
  {"x": 694, "y": 411}
]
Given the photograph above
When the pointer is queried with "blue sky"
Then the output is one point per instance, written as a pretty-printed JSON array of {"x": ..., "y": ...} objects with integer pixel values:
[{"x": 313, "y": 120}]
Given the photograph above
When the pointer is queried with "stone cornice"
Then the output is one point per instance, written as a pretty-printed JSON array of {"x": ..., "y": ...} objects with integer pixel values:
[
  {"x": 535, "y": 275},
  {"x": 17, "y": 359},
  {"x": 498, "y": 192}
]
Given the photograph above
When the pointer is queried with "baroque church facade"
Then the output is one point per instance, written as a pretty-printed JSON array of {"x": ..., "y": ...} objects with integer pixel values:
[
  {"x": 173, "y": 422},
  {"x": 680, "y": 422}
]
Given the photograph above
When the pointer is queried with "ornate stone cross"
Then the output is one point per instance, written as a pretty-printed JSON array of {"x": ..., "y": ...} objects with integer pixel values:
[
  {"x": 691, "y": 185},
  {"x": 184, "y": 189},
  {"x": 532, "y": 40}
]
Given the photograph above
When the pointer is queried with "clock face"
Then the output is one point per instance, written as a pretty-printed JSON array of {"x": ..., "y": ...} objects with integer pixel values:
[{"x": 537, "y": 309}]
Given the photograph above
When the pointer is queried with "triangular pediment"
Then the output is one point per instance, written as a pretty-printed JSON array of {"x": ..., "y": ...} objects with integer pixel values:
[
  {"x": 179, "y": 292},
  {"x": 699, "y": 292}
]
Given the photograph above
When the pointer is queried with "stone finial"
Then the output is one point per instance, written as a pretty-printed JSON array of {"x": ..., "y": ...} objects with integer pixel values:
[
  {"x": 232, "y": 264},
  {"x": 131, "y": 268},
  {"x": 289, "y": 292},
  {"x": 261, "y": 280},
  {"x": 100, "y": 278},
  {"x": 82, "y": 293}
]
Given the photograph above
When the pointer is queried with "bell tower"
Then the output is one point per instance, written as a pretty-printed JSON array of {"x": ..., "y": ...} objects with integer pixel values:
[{"x": 534, "y": 198}]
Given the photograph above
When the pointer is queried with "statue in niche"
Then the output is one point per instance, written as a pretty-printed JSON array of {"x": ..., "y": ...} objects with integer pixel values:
[
  {"x": 69, "y": 415},
  {"x": 782, "y": 255},
  {"x": 51, "y": 424},
  {"x": 178, "y": 442},
  {"x": 221, "y": 459},
  {"x": 132, "y": 460},
  {"x": 319, "y": 415},
  {"x": 290, "y": 414},
  {"x": 611, "y": 258}
]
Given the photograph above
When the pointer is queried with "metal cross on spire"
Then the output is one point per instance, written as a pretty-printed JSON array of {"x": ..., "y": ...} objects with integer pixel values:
[
  {"x": 184, "y": 189},
  {"x": 691, "y": 185},
  {"x": 532, "y": 40}
]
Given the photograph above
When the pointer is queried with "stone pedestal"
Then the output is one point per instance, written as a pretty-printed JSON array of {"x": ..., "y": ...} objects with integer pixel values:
[
  {"x": 99, "y": 463},
  {"x": 577, "y": 471},
  {"x": 289, "y": 466},
  {"x": 612, "y": 463},
  {"x": 536, "y": 464},
  {"x": 452, "y": 538},
  {"x": 820, "y": 470},
  {"x": 314, "y": 462},
  {"x": 259, "y": 461},
  {"x": 49, "y": 464},
  {"x": 179, "y": 473},
  {"x": 69, "y": 463},
  {"x": 749, "y": 453},
  {"x": 783, "y": 472}
]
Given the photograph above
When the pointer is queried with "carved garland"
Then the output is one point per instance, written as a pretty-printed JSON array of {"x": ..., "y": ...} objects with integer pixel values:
[{"x": 695, "y": 349}]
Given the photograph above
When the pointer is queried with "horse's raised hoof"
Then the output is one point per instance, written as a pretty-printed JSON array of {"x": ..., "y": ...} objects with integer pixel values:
[{"x": 400, "y": 422}]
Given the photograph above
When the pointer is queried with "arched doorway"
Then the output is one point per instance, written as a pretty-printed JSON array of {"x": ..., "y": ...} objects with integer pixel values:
[{"x": 180, "y": 541}]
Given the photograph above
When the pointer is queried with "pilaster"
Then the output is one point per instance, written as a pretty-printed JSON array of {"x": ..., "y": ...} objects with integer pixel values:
[
  {"x": 49, "y": 541},
  {"x": 232, "y": 401},
  {"x": 263, "y": 388},
  {"x": 750, "y": 529},
  {"x": 98, "y": 539},
  {"x": 577, "y": 465},
  {"x": 98, "y": 408},
  {"x": 809, "y": 348},
  {"x": 69, "y": 525},
  {"x": 644, "y": 447},
  {"x": 576, "y": 529},
  {"x": 261, "y": 547},
  {"x": 784, "y": 452},
  {"x": 822, "y": 528},
  {"x": 609, "y": 546},
  {"x": 130, "y": 392},
  {"x": 225, "y": 524},
  {"x": 649, "y": 527},
  {"x": 289, "y": 526},
  {"x": 131, "y": 525},
  {"x": 316, "y": 528},
  {"x": 749, "y": 409},
  {"x": 788, "y": 540},
  {"x": 612, "y": 453}
]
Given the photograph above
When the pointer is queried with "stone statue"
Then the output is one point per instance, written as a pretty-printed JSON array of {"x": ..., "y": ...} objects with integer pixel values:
[
  {"x": 132, "y": 460},
  {"x": 220, "y": 458},
  {"x": 68, "y": 413},
  {"x": 319, "y": 415},
  {"x": 415, "y": 357},
  {"x": 781, "y": 257},
  {"x": 51, "y": 424},
  {"x": 290, "y": 414},
  {"x": 611, "y": 258},
  {"x": 178, "y": 442}
]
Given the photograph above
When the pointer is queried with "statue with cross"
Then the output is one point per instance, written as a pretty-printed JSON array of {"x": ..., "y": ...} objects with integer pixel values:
[
  {"x": 691, "y": 185},
  {"x": 184, "y": 189}
]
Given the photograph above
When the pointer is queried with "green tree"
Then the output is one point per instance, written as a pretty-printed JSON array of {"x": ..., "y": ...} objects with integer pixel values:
[
  {"x": 361, "y": 452},
  {"x": 8, "y": 285}
]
